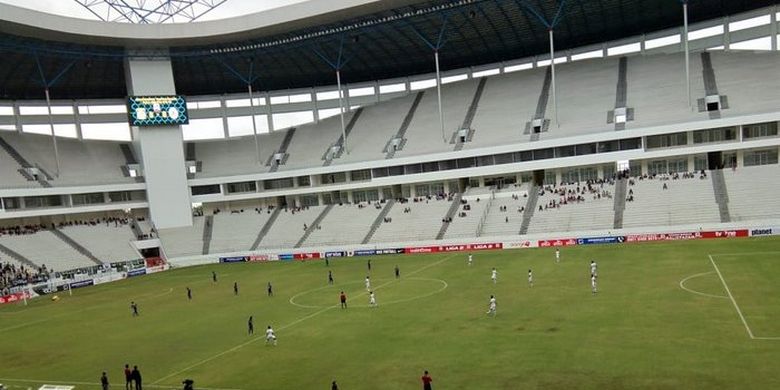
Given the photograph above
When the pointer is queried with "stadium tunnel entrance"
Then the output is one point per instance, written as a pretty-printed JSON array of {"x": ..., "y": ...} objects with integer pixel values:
[{"x": 714, "y": 160}]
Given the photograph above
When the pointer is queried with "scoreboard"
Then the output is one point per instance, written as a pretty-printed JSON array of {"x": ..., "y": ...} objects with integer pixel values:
[{"x": 157, "y": 110}]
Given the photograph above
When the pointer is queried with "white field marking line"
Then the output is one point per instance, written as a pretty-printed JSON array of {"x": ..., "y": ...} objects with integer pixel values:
[
  {"x": 304, "y": 318},
  {"x": 682, "y": 285},
  {"x": 99, "y": 385},
  {"x": 750, "y": 332},
  {"x": 444, "y": 284},
  {"x": 745, "y": 253}
]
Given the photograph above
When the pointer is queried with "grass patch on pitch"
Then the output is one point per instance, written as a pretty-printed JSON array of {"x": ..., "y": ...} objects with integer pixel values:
[{"x": 640, "y": 331}]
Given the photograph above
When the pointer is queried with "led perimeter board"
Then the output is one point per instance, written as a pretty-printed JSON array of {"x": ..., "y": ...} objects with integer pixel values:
[{"x": 157, "y": 110}]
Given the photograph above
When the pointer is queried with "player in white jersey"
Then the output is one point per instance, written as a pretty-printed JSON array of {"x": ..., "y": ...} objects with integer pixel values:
[
  {"x": 492, "y": 306},
  {"x": 557, "y": 255},
  {"x": 371, "y": 299},
  {"x": 593, "y": 287},
  {"x": 368, "y": 284},
  {"x": 471, "y": 258},
  {"x": 494, "y": 275},
  {"x": 530, "y": 278},
  {"x": 270, "y": 336},
  {"x": 594, "y": 268}
]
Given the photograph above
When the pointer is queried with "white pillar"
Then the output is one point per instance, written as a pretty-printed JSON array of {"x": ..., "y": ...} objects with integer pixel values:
[
  {"x": 438, "y": 94},
  {"x": 254, "y": 124},
  {"x": 161, "y": 147},
  {"x": 687, "y": 54},
  {"x": 552, "y": 86},
  {"x": 53, "y": 136},
  {"x": 341, "y": 112}
]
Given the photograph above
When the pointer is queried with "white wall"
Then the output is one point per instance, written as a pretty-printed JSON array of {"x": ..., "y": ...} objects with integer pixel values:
[{"x": 161, "y": 148}]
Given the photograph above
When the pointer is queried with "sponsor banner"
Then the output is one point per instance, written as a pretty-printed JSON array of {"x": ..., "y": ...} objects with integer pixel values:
[
  {"x": 390, "y": 251},
  {"x": 306, "y": 256},
  {"x": 663, "y": 237},
  {"x": 285, "y": 256},
  {"x": 258, "y": 258},
  {"x": 82, "y": 283},
  {"x": 771, "y": 231},
  {"x": 154, "y": 261},
  {"x": 601, "y": 240},
  {"x": 232, "y": 259},
  {"x": 556, "y": 242},
  {"x": 15, "y": 297},
  {"x": 520, "y": 244},
  {"x": 136, "y": 272},
  {"x": 726, "y": 233},
  {"x": 364, "y": 252},
  {"x": 336, "y": 254},
  {"x": 455, "y": 248}
]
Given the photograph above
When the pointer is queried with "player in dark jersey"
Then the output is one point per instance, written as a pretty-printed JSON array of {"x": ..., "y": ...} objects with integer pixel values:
[
  {"x": 235, "y": 288},
  {"x": 134, "y": 308},
  {"x": 397, "y": 272},
  {"x": 270, "y": 290},
  {"x": 213, "y": 276},
  {"x": 251, "y": 325},
  {"x": 343, "y": 299},
  {"x": 330, "y": 277},
  {"x": 189, "y": 293}
]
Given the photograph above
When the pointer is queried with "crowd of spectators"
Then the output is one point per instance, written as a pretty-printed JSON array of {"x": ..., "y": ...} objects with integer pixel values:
[
  {"x": 575, "y": 193},
  {"x": 12, "y": 275}
]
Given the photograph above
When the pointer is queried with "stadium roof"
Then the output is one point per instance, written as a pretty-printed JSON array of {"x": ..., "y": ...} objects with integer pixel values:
[{"x": 300, "y": 45}]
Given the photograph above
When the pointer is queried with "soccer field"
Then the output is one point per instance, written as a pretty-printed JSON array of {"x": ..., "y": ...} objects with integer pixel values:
[{"x": 678, "y": 315}]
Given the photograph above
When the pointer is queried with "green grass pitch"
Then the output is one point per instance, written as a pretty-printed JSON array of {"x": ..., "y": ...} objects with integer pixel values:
[{"x": 644, "y": 329}]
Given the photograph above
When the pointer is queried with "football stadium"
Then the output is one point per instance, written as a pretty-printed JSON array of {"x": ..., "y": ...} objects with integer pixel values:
[{"x": 395, "y": 194}]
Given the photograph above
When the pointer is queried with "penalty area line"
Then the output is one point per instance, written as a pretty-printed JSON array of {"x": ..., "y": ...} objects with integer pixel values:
[
  {"x": 298, "y": 321},
  {"x": 728, "y": 291}
]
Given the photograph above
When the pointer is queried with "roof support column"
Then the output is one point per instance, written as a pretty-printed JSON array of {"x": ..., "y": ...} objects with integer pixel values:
[
  {"x": 254, "y": 123},
  {"x": 53, "y": 136},
  {"x": 341, "y": 111},
  {"x": 687, "y": 53},
  {"x": 552, "y": 79},
  {"x": 438, "y": 94}
]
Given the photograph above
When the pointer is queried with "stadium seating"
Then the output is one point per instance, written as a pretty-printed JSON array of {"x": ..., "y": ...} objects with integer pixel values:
[
  {"x": 288, "y": 227},
  {"x": 235, "y": 232},
  {"x": 593, "y": 213},
  {"x": 108, "y": 243},
  {"x": 496, "y": 220},
  {"x": 345, "y": 224},
  {"x": 685, "y": 202},
  {"x": 44, "y": 248},
  {"x": 466, "y": 226},
  {"x": 422, "y": 223},
  {"x": 81, "y": 162},
  {"x": 185, "y": 241},
  {"x": 751, "y": 197}
]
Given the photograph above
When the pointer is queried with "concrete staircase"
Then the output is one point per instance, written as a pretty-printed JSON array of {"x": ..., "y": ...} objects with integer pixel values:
[
  {"x": 450, "y": 214},
  {"x": 208, "y": 229},
  {"x": 17, "y": 256},
  {"x": 267, "y": 227},
  {"x": 378, "y": 221},
  {"x": 721, "y": 194},
  {"x": 314, "y": 225},
  {"x": 75, "y": 245},
  {"x": 389, "y": 150},
  {"x": 621, "y": 189},
  {"x": 530, "y": 208}
]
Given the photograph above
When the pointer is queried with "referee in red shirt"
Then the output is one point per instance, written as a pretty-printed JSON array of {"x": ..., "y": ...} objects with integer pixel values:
[{"x": 426, "y": 380}]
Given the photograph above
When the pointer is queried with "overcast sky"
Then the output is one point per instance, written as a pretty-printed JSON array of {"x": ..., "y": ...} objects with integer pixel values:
[{"x": 229, "y": 9}]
